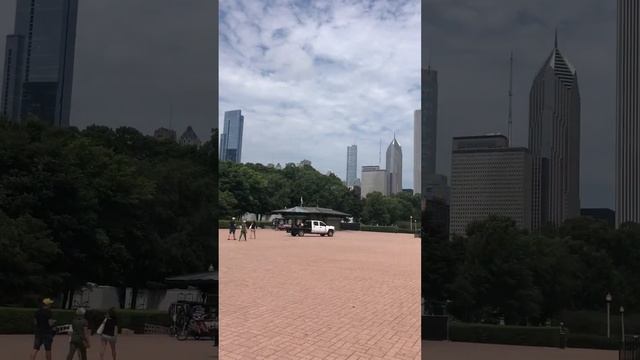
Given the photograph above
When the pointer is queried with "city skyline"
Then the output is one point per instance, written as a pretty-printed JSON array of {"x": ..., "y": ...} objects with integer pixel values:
[
  {"x": 127, "y": 71},
  {"x": 469, "y": 45},
  {"x": 310, "y": 81}
]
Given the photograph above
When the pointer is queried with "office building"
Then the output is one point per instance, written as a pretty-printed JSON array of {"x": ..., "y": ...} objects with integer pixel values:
[
  {"x": 627, "y": 187},
  {"x": 165, "y": 134},
  {"x": 374, "y": 179},
  {"x": 489, "y": 178},
  {"x": 604, "y": 214},
  {"x": 435, "y": 187},
  {"x": 554, "y": 141},
  {"x": 38, "y": 64},
  {"x": 394, "y": 166},
  {"x": 352, "y": 164},
  {"x": 231, "y": 138},
  {"x": 189, "y": 137}
]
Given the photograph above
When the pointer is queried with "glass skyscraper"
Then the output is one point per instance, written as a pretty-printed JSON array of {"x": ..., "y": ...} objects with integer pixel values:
[
  {"x": 554, "y": 141},
  {"x": 231, "y": 138},
  {"x": 352, "y": 164},
  {"x": 38, "y": 68}
]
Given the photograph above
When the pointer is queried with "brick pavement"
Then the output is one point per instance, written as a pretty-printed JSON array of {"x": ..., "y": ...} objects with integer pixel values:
[
  {"x": 447, "y": 350},
  {"x": 353, "y": 296}
]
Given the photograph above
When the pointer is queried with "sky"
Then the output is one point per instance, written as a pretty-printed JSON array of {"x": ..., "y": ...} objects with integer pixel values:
[
  {"x": 137, "y": 59},
  {"x": 469, "y": 41},
  {"x": 313, "y": 77}
]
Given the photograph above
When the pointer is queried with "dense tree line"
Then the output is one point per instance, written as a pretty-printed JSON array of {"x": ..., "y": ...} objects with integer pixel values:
[
  {"x": 499, "y": 271},
  {"x": 259, "y": 189},
  {"x": 107, "y": 206}
]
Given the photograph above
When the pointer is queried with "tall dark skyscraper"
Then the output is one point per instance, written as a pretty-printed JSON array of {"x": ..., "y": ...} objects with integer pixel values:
[
  {"x": 628, "y": 113},
  {"x": 429, "y": 128},
  {"x": 231, "y": 138},
  {"x": 554, "y": 141},
  {"x": 352, "y": 165},
  {"x": 38, "y": 68}
]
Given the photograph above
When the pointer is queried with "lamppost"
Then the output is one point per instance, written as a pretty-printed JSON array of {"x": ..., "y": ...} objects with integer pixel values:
[
  {"x": 622, "y": 321},
  {"x": 411, "y": 222},
  {"x": 608, "y": 299}
]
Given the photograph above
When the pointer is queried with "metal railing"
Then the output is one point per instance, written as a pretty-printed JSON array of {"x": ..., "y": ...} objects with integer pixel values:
[{"x": 630, "y": 348}]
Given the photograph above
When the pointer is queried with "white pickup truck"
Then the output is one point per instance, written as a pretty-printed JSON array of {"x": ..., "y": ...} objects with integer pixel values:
[{"x": 312, "y": 227}]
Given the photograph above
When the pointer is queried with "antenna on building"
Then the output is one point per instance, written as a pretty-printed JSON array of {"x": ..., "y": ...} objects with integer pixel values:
[{"x": 510, "y": 118}]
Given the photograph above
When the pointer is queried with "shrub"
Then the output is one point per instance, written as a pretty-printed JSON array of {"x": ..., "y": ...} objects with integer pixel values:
[
  {"x": 223, "y": 224},
  {"x": 592, "y": 342},
  {"x": 390, "y": 229},
  {"x": 20, "y": 320},
  {"x": 509, "y": 335},
  {"x": 595, "y": 322}
]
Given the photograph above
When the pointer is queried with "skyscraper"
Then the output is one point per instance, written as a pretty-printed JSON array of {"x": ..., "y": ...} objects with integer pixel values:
[
  {"x": 417, "y": 151},
  {"x": 231, "y": 138},
  {"x": 554, "y": 141},
  {"x": 374, "y": 179},
  {"x": 394, "y": 166},
  {"x": 429, "y": 128},
  {"x": 189, "y": 137},
  {"x": 38, "y": 67},
  {"x": 352, "y": 164},
  {"x": 628, "y": 113},
  {"x": 489, "y": 178}
]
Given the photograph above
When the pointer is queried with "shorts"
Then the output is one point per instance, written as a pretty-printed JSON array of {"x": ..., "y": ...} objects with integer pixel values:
[
  {"x": 232, "y": 231},
  {"x": 41, "y": 340},
  {"x": 108, "y": 338}
]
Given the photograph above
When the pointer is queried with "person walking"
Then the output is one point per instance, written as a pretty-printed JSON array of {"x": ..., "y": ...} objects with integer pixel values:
[
  {"x": 232, "y": 229},
  {"x": 80, "y": 336},
  {"x": 243, "y": 231},
  {"x": 109, "y": 333},
  {"x": 43, "y": 329},
  {"x": 253, "y": 227}
]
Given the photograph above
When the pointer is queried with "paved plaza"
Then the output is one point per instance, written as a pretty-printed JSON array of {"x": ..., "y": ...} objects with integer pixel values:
[
  {"x": 352, "y": 296},
  {"x": 449, "y": 350},
  {"x": 130, "y": 347}
]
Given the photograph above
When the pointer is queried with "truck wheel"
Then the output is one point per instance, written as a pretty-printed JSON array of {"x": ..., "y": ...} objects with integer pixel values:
[
  {"x": 330, "y": 232},
  {"x": 301, "y": 233}
]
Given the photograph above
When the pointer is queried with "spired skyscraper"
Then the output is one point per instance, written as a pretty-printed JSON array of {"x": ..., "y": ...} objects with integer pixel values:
[
  {"x": 394, "y": 166},
  {"x": 231, "y": 138},
  {"x": 554, "y": 141},
  {"x": 352, "y": 165},
  {"x": 38, "y": 66},
  {"x": 628, "y": 113}
]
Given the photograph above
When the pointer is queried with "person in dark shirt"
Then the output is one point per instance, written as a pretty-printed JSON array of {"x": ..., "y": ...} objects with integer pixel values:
[
  {"x": 232, "y": 229},
  {"x": 109, "y": 333},
  {"x": 43, "y": 329},
  {"x": 80, "y": 336}
]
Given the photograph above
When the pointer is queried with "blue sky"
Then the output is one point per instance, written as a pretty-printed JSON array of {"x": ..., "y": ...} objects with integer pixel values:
[{"x": 313, "y": 77}]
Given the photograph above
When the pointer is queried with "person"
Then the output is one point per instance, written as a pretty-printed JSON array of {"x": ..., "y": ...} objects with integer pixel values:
[
  {"x": 80, "y": 336},
  {"x": 243, "y": 231},
  {"x": 253, "y": 229},
  {"x": 232, "y": 229},
  {"x": 109, "y": 333},
  {"x": 43, "y": 329}
]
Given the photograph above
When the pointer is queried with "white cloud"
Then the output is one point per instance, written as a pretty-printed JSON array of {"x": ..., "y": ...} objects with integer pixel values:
[{"x": 312, "y": 78}]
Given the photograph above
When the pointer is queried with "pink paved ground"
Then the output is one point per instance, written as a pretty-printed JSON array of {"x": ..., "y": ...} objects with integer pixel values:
[
  {"x": 133, "y": 347},
  {"x": 353, "y": 296},
  {"x": 446, "y": 350}
]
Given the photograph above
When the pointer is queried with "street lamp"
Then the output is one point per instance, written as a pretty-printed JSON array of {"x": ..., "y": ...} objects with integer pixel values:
[
  {"x": 622, "y": 321},
  {"x": 608, "y": 299},
  {"x": 411, "y": 222}
]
